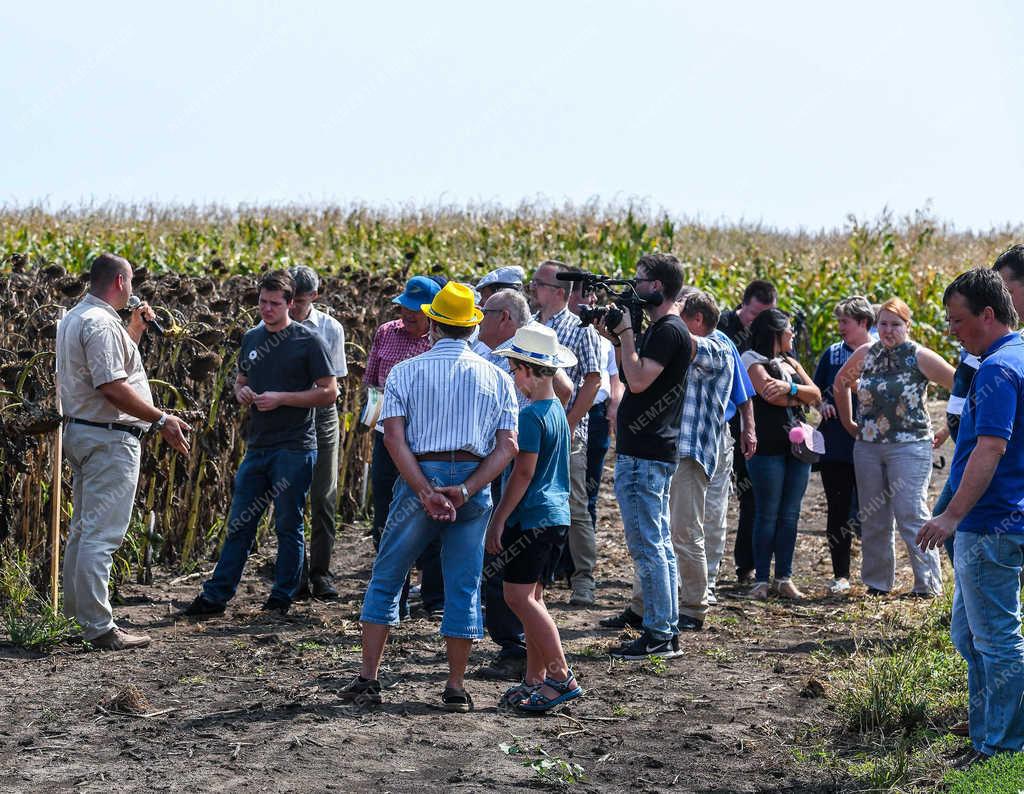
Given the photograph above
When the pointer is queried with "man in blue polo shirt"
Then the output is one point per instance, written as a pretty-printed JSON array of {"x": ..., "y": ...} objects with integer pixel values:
[{"x": 987, "y": 514}]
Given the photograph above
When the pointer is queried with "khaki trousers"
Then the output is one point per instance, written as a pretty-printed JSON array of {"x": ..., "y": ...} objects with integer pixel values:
[
  {"x": 582, "y": 536},
  {"x": 104, "y": 473}
]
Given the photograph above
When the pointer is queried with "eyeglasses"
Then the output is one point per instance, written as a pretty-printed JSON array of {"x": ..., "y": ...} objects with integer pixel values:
[
  {"x": 492, "y": 311},
  {"x": 638, "y": 280},
  {"x": 536, "y": 283}
]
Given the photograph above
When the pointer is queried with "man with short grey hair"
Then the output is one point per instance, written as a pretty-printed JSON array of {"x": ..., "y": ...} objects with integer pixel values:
[{"x": 323, "y": 492}]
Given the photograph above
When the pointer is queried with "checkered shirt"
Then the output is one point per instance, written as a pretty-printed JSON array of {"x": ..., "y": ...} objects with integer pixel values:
[
  {"x": 705, "y": 398},
  {"x": 583, "y": 342},
  {"x": 391, "y": 344}
]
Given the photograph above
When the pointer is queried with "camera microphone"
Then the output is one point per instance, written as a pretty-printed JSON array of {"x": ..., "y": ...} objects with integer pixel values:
[
  {"x": 133, "y": 304},
  {"x": 572, "y": 276}
]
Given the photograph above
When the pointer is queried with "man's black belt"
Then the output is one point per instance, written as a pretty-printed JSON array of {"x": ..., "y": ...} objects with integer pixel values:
[{"x": 138, "y": 432}]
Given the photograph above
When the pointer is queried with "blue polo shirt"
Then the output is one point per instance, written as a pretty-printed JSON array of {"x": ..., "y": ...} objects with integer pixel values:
[
  {"x": 995, "y": 407},
  {"x": 742, "y": 388}
]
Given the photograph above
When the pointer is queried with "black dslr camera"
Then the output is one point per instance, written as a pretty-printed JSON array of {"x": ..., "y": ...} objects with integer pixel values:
[{"x": 626, "y": 299}]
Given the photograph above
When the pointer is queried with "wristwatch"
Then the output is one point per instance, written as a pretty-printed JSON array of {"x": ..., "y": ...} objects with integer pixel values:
[
  {"x": 465, "y": 492},
  {"x": 792, "y": 389},
  {"x": 158, "y": 425}
]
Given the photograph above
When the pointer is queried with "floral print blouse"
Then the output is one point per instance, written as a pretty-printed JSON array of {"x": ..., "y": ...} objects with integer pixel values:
[{"x": 891, "y": 396}]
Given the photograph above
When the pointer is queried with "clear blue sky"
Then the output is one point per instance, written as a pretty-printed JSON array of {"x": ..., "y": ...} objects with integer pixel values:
[{"x": 789, "y": 113}]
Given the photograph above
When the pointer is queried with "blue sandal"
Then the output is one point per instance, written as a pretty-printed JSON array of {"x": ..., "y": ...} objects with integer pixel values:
[
  {"x": 516, "y": 695},
  {"x": 538, "y": 702}
]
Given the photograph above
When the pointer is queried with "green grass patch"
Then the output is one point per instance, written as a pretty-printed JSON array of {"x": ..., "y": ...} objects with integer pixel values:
[{"x": 1003, "y": 774}]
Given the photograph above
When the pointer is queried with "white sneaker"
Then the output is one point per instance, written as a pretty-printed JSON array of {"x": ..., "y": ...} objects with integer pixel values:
[
  {"x": 839, "y": 586},
  {"x": 712, "y": 598}
]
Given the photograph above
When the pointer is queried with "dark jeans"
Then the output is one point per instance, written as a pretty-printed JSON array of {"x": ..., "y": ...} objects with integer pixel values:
[
  {"x": 840, "y": 484},
  {"x": 383, "y": 474},
  {"x": 501, "y": 622},
  {"x": 743, "y": 553},
  {"x": 779, "y": 482},
  {"x": 940, "y": 507},
  {"x": 267, "y": 476},
  {"x": 598, "y": 442}
]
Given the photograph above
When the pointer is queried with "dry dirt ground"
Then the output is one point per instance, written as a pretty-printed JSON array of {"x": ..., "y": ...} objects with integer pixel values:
[{"x": 245, "y": 702}]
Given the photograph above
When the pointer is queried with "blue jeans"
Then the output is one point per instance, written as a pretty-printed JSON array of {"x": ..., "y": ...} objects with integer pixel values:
[
  {"x": 267, "y": 475},
  {"x": 986, "y": 630},
  {"x": 642, "y": 489},
  {"x": 383, "y": 474},
  {"x": 779, "y": 482},
  {"x": 940, "y": 507},
  {"x": 597, "y": 449},
  {"x": 410, "y": 530}
]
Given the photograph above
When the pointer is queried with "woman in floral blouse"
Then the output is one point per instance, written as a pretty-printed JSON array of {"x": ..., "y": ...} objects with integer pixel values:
[{"x": 892, "y": 454}]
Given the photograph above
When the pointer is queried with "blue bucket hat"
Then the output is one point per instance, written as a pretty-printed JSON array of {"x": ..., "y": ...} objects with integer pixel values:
[{"x": 418, "y": 290}]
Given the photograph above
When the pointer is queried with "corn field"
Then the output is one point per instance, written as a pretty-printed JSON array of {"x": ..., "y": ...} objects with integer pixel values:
[{"x": 199, "y": 269}]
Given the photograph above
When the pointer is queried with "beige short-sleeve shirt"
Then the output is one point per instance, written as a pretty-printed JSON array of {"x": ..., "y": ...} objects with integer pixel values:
[{"x": 93, "y": 348}]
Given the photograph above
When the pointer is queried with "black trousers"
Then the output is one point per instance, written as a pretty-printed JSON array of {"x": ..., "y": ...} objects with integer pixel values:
[
  {"x": 840, "y": 484},
  {"x": 743, "y": 553},
  {"x": 383, "y": 474}
]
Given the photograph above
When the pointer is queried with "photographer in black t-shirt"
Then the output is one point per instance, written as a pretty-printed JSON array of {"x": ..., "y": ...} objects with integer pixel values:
[
  {"x": 654, "y": 370},
  {"x": 284, "y": 372}
]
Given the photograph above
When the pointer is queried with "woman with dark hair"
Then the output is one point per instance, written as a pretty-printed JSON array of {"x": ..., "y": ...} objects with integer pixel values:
[{"x": 778, "y": 478}]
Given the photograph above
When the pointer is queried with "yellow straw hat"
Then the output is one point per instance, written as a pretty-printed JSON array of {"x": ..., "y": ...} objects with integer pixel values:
[{"x": 454, "y": 305}]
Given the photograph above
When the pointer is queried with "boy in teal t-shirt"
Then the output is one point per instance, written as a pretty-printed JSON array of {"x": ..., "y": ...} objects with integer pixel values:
[{"x": 532, "y": 518}]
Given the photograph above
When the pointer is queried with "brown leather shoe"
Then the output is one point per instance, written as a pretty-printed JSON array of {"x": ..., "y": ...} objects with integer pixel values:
[
  {"x": 118, "y": 640},
  {"x": 961, "y": 729}
]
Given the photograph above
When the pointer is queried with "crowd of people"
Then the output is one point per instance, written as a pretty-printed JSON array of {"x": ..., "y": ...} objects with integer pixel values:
[{"x": 495, "y": 406}]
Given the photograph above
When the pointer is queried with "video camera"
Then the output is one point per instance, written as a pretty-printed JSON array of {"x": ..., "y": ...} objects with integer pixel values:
[{"x": 626, "y": 299}]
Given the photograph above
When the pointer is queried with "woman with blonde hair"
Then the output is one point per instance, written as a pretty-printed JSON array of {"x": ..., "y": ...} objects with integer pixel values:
[{"x": 892, "y": 454}]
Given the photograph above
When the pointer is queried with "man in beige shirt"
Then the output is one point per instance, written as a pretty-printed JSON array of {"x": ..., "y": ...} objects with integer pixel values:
[{"x": 108, "y": 406}]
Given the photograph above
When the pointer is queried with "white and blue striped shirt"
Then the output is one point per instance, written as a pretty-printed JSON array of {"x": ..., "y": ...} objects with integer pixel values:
[{"x": 452, "y": 400}]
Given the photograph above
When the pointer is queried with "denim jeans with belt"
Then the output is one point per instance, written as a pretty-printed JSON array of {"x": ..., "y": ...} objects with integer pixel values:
[
  {"x": 986, "y": 630},
  {"x": 642, "y": 488},
  {"x": 779, "y": 482},
  {"x": 267, "y": 476},
  {"x": 410, "y": 530},
  {"x": 383, "y": 475}
]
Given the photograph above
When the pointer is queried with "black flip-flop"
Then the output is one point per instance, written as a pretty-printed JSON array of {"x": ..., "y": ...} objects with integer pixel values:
[{"x": 457, "y": 700}]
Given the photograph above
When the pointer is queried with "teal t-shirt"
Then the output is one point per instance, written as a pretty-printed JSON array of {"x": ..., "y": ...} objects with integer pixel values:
[{"x": 543, "y": 429}]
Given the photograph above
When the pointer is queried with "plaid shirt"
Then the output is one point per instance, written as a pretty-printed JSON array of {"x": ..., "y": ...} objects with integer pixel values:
[
  {"x": 583, "y": 342},
  {"x": 391, "y": 344},
  {"x": 705, "y": 397}
]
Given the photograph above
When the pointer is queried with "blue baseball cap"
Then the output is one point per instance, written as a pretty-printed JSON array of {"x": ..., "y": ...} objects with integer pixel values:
[{"x": 418, "y": 290}]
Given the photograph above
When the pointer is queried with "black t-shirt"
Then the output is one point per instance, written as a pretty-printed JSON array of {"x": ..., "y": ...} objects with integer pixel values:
[
  {"x": 729, "y": 324},
  {"x": 648, "y": 422},
  {"x": 290, "y": 360},
  {"x": 772, "y": 422}
]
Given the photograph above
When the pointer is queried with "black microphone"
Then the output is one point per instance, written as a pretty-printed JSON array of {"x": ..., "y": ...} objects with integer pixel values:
[
  {"x": 133, "y": 304},
  {"x": 572, "y": 276}
]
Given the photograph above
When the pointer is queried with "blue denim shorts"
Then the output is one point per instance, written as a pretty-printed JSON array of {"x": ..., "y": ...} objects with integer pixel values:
[{"x": 408, "y": 532}]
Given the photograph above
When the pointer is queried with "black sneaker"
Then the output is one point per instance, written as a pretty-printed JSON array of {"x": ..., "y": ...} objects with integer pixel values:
[
  {"x": 645, "y": 645},
  {"x": 203, "y": 607},
  {"x": 626, "y": 618},
  {"x": 687, "y": 623},
  {"x": 361, "y": 692},
  {"x": 277, "y": 606}
]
